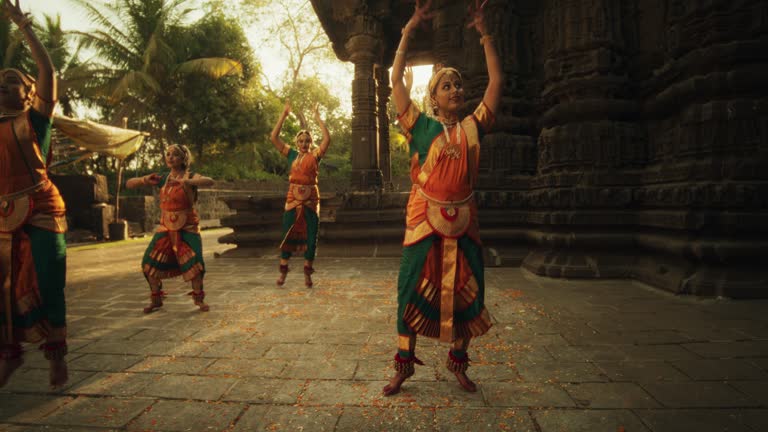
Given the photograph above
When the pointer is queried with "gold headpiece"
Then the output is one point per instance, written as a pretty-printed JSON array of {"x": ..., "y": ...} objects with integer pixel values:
[
  {"x": 303, "y": 132},
  {"x": 185, "y": 153},
  {"x": 438, "y": 71}
]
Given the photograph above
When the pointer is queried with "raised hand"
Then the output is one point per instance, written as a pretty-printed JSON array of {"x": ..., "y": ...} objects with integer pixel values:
[
  {"x": 420, "y": 14},
  {"x": 287, "y": 108},
  {"x": 176, "y": 182},
  {"x": 316, "y": 112},
  {"x": 13, "y": 12},
  {"x": 478, "y": 16},
  {"x": 408, "y": 76},
  {"x": 153, "y": 179}
]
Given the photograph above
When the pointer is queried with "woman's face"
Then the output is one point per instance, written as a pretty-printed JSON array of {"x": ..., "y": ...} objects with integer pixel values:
[
  {"x": 303, "y": 142},
  {"x": 13, "y": 91},
  {"x": 449, "y": 94},
  {"x": 174, "y": 158}
]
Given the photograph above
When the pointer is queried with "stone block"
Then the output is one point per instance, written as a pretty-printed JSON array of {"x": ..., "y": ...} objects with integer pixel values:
[{"x": 80, "y": 191}]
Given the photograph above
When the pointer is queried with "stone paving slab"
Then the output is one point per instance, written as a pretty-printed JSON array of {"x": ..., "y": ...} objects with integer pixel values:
[
  {"x": 484, "y": 420},
  {"x": 589, "y": 421},
  {"x": 558, "y": 371},
  {"x": 104, "y": 362},
  {"x": 49, "y": 428},
  {"x": 563, "y": 355},
  {"x": 396, "y": 419},
  {"x": 27, "y": 408},
  {"x": 501, "y": 394},
  {"x": 704, "y": 394},
  {"x": 694, "y": 420},
  {"x": 171, "y": 365},
  {"x": 642, "y": 371},
  {"x": 720, "y": 370},
  {"x": 195, "y": 387},
  {"x": 610, "y": 395},
  {"x": 288, "y": 418},
  {"x": 113, "y": 384},
  {"x": 178, "y": 416},
  {"x": 93, "y": 412},
  {"x": 266, "y": 391}
]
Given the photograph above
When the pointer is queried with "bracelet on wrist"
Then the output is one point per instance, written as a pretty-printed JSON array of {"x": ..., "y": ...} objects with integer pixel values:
[{"x": 485, "y": 38}]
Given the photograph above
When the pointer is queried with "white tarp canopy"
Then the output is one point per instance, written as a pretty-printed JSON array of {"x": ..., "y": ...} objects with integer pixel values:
[{"x": 99, "y": 138}]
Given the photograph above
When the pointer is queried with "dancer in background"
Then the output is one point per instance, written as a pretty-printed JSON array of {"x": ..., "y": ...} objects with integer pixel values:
[
  {"x": 441, "y": 285},
  {"x": 302, "y": 204},
  {"x": 176, "y": 248}
]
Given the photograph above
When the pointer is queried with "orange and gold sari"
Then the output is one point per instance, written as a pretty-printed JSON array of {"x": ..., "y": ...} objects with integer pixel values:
[
  {"x": 32, "y": 226},
  {"x": 302, "y": 204},
  {"x": 176, "y": 248},
  {"x": 441, "y": 285}
]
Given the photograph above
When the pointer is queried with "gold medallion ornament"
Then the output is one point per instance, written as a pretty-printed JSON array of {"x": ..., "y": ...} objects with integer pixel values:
[
  {"x": 174, "y": 220},
  {"x": 301, "y": 192},
  {"x": 14, "y": 213},
  {"x": 448, "y": 221}
]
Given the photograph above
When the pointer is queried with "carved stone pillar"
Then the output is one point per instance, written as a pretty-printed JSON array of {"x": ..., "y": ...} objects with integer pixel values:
[
  {"x": 363, "y": 49},
  {"x": 589, "y": 143},
  {"x": 383, "y": 91}
]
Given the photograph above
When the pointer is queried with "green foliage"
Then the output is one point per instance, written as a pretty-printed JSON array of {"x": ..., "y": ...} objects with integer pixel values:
[
  {"x": 138, "y": 61},
  {"x": 173, "y": 78},
  {"x": 243, "y": 163},
  {"x": 399, "y": 154},
  {"x": 13, "y": 50},
  {"x": 200, "y": 110}
]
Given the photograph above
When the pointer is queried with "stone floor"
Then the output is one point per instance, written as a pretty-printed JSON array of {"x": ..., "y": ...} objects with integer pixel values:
[{"x": 563, "y": 355}]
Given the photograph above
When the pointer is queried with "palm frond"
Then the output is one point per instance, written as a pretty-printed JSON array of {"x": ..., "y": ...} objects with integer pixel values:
[
  {"x": 107, "y": 46},
  {"x": 157, "y": 51},
  {"x": 98, "y": 18},
  {"x": 215, "y": 67},
  {"x": 133, "y": 83}
]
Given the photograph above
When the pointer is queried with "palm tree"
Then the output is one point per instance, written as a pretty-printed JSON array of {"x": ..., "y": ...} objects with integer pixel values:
[{"x": 135, "y": 60}]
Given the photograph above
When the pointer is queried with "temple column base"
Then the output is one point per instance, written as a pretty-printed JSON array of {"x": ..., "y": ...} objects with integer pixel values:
[{"x": 367, "y": 179}]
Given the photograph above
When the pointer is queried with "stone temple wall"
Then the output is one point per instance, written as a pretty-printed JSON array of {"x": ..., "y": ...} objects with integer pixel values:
[{"x": 632, "y": 140}]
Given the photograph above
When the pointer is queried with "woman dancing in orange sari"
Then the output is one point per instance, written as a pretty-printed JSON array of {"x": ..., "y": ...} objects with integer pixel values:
[
  {"x": 33, "y": 254},
  {"x": 302, "y": 205},
  {"x": 176, "y": 248},
  {"x": 441, "y": 285}
]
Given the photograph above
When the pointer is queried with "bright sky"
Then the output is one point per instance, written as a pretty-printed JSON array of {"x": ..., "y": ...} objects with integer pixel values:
[{"x": 336, "y": 74}]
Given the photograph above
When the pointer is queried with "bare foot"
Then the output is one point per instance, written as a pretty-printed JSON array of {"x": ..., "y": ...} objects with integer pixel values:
[
  {"x": 308, "y": 276},
  {"x": 8, "y": 367},
  {"x": 394, "y": 385},
  {"x": 203, "y": 307},
  {"x": 465, "y": 382},
  {"x": 58, "y": 374}
]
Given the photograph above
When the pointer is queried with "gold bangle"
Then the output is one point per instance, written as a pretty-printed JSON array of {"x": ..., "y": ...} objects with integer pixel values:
[{"x": 485, "y": 38}]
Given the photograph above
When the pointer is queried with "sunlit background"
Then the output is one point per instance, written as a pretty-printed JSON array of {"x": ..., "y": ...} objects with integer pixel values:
[{"x": 274, "y": 61}]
